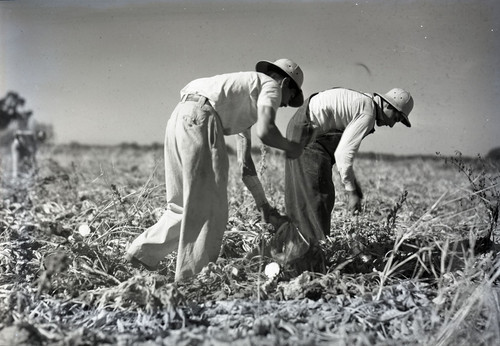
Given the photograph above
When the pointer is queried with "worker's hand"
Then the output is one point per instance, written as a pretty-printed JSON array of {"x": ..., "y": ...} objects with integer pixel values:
[
  {"x": 295, "y": 150},
  {"x": 359, "y": 192},
  {"x": 354, "y": 201},
  {"x": 276, "y": 219},
  {"x": 272, "y": 216}
]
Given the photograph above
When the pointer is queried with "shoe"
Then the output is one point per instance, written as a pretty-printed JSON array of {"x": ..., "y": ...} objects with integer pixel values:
[{"x": 137, "y": 263}]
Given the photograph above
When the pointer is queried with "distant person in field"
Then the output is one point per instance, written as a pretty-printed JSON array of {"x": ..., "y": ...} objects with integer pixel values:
[
  {"x": 196, "y": 161},
  {"x": 23, "y": 150},
  {"x": 24, "y": 145},
  {"x": 332, "y": 123},
  {"x": 25, "y": 140}
]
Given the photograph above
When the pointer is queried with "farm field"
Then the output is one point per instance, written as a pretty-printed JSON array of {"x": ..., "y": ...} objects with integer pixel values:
[{"x": 419, "y": 266}]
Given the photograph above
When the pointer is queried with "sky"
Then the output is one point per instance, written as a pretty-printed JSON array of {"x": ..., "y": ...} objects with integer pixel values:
[{"x": 107, "y": 72}]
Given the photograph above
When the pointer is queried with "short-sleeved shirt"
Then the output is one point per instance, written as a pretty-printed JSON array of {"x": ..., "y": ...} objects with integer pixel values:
[
  {"x": 236, "y": 97},
  {"x": 351, "y": 112}
]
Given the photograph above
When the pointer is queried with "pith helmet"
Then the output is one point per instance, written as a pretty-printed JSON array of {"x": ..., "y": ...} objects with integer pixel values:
[
  {"x": 402, "y": 101},
  {"x": 292, "y": 70}
]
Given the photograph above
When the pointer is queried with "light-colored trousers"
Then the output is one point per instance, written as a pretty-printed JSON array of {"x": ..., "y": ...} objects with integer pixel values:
[{"x": 196, "y": 171}]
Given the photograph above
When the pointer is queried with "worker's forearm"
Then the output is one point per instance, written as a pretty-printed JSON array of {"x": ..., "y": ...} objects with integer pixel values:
[
  {"x": 271, "y": 136},
  {"x": 254, "y": 185},
  {"x": 244, "y": 154}
]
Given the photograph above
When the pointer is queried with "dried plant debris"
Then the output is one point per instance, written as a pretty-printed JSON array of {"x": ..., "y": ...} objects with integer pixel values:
[{"x": 419, "y": 265}]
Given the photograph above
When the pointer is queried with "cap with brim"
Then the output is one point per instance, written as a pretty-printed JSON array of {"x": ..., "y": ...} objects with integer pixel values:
[
  {"x": 404, "y": 119},
  {"x": 295, "y": 73}
]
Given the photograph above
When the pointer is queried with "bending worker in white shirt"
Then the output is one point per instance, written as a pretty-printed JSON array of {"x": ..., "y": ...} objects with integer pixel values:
[
  {"x": 196, "y": 162},
  {"x": 333, "y": 123}
]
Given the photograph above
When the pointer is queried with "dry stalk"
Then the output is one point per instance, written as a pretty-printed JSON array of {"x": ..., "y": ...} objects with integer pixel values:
[
  {"x": 471, "y": 306},
  {"x": 391, "y": 267}
]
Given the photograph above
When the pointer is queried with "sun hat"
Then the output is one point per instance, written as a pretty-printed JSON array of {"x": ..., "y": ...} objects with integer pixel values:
[
  {"x": 291, "y": 69},
  {"x": 402, "y": 101}
]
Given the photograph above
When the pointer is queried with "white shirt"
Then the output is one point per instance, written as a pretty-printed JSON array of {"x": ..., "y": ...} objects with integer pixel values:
[
  {"x": 236, "y": 97},
  {"x": 349, "y": 111}
]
